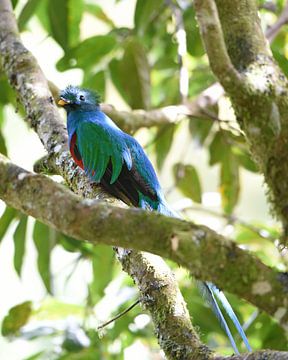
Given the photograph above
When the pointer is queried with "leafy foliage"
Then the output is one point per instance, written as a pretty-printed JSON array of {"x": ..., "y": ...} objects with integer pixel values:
[
  {"x": 19, "y": 243},
  {"x": 140, "y": 62},
  {"x": 6, "y": 219},
  {"x": 16, "y": 318},
  {"x": 44, "y": 238},
  {"x": 188, "y": 182}
]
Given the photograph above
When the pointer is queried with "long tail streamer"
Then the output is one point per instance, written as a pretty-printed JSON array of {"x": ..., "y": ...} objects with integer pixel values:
[{"x": 211, "y": 293}]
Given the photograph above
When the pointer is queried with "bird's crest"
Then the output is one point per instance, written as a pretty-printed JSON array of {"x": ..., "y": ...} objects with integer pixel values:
[{"x": 72, "y": 93}]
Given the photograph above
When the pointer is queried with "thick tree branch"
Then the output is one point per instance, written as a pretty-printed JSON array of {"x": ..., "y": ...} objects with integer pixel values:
[
  {"x": 26, "y": 191},
  {"x": 195, "y": 247},
  {"x": 215, "y": 46},
  {"x": 157, "y": 277},
  {"x": 31, "y": 85},
  {"x": 260, "y": 99},
  {"x": 258, "y": 355}
]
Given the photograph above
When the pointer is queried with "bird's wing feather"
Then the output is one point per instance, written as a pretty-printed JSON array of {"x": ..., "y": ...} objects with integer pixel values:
[
  {"x": 97, "y": 145},
  {"x": 143, "y": 173}
]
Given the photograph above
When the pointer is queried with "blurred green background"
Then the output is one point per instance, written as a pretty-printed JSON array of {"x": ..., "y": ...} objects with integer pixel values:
[{"x": 55, "y": 291}]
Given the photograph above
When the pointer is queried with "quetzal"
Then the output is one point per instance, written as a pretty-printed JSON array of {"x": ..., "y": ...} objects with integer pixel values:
[{"x": 117, "y": 161}]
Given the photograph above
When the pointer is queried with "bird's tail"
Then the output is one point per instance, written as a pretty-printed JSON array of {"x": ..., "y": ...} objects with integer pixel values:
[{"x": 211, "y": 293}]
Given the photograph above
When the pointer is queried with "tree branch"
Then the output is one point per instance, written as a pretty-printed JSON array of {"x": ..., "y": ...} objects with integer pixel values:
[
  {"x": 154, "y": 276},
  {"x": 214, "y": 42},
  {"x": 257, "y": 355},
  {"x": 132, "y": 120},
  {"x": 260, "y": 99},
  {"x": 28, "y": 80},
  {"x": 199, "y": 249},
  {"x": 36, "y": 195}
]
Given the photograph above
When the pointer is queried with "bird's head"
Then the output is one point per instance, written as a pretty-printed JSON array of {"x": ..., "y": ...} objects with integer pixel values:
[{"x": 74, "y": 98}]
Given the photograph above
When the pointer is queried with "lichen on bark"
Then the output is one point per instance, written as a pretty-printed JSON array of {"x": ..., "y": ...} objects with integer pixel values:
[{"x": 258, "y": 92}]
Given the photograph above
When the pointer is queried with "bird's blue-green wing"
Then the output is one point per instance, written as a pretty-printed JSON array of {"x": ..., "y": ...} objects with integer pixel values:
[{"x": 98, "y": 146}]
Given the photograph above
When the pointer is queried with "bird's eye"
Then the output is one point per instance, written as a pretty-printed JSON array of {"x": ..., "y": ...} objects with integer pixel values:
[{"x": 82, "y": 97}]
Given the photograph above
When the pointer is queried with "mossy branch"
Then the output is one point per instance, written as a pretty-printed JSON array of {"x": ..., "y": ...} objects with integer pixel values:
[
  {"x": 97, "y": 222},
  {"x": 260, "y": 98},
  {"x": 205, "y": 253},
  {"x": 32, "y": 88}
]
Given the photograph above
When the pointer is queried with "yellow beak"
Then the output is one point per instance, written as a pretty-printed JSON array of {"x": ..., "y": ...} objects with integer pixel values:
[{"x": 62, "y": 102}]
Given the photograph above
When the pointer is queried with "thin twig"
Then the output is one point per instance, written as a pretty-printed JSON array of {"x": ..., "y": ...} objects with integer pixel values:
[
  {"x": 119, "y": 315},
  {"x": 234, "y": 219},
  {"x": 272, "y": 31}
]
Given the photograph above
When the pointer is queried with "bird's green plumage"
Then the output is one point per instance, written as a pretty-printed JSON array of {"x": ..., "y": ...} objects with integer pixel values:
[{"x": 97, "y": 154}]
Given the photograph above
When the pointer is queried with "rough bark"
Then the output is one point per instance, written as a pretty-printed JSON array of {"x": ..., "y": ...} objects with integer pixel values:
[
  {"x": 165, "y": 315},
  {"x": 256, "y": 86},
  {"x": 202, "y": 251},
  {"x": 178, "y": 240},
  {"x": 32, "y": 88}
]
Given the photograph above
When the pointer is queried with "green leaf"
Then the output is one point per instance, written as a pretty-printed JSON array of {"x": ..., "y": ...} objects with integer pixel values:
[
  {"x": 164, "y": 63},
  {"x": 65, "y": 17},
  {"x": 134, "y": 89},
  {"x": 53, "y": 309},
  {"x": 88, "y": 53},
  {"x": 221, "y": 151},
  {"x": 44, "y": 241},
  {"x": 102, "y": 265},
  {"x": 194, "y": 41},
  {"x": 26, "y": 13},
  {"x": 245, "y": 159},
  {"x": 217, "y": 148},
  {"x": 97, "y": 11},
  {"x": 14, "y": 3},
  {"x": 114, "y": 69},
  {"x": 187, "y": 181},
  {"x": 273, "y": 334},
  {"x": 200, "y": 129},
  {"x": 164, "y": 140},
  {"x": 95, "y": 82},
  {"x": 73, "y": 245},
  {"x": 3, "y": 148},
  {"x": 36, "y": 356},
  {"x": 1, "y": 115},
  {"x": 19, "y": 243},
  {"x": 6, "y": 219},
  {"x": 229, "y": 182},
  {"x": 41, "y": 13},
  {"x": 278, "y": 49},
  {"x": 145, "y": 12},
  {"x": 16, "y": 318},
  {"x": 264, "y": 247},
  {"x": 86, "y": 354},
  {"x": 202, "y": 78},
  {"x": 171, "y": 94}
]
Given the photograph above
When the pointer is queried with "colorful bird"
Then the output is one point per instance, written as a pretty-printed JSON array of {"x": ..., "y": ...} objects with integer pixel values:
[{"x": 117, "y": 161}]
